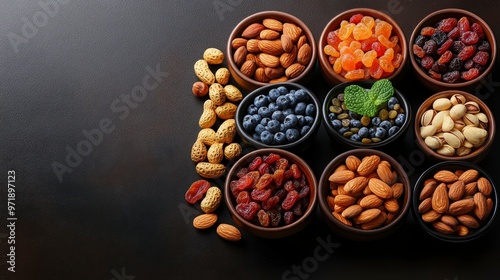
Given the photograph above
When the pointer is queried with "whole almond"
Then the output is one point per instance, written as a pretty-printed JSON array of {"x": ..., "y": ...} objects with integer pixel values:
[
  {"x": 397, "y": 190},
  {"x": 304, "y": 54},
  {"x": 252, "y": 30},
  {"x": 375, "y": 223},
  {"x": 370, "y": 201},
  {"x": 470, "y": 189},
  {"x": 344, "y": 200},
  {"x": 431, "y": 216},
  {"x": 253, "y": 46},
  {"x": 385, "y": 174},
  {"x": 260, "y": 75},
  {"x": 294, "y": 70},
  {"x": 428, "y": 190},
  {"x": 273, "y": 24},
  {"x": 240, "y": 55},
  {"x": 442, "y": 227},
  {"x": 379, "y": 188},
  {"x": 462, "y": 230},
  {"x": 352, "y": 162},
  {"x": 286, "y": 43},
  {"x": 342, "y": 219},
  {"x": 440, "y": 201},
  {"x": 480, "y": 206},
  {"x": 468, "y": 221},
  {"x": 445, "y": 176},
  {"x": 456, "y": 190},
  {"x": 269, "y": 34},
  {"x": 425, "y": 205},
  {"x": 367, "y": 216},
  {"x": 288, "y": 58},
  {"x": 352, "y": 211},
  {"x": 301, "y": 41},
  {"x": 248, "y": 68},
  {"x": 272, "y": 47},
  {"x": 341, "y": 176},
  {"x": 461, "y": 206},
  {"x": 238, "y": 42},
  {"x": 469, "y": 175},
  {"x": 484, "y": 186},
  {"x": 368, "y": 165},
  {"x": 269, "y": 60},
  {"x": 228, "y": 232},
  {"x": 279, "y": 80},
  {"x": 293, "y": 31},
  {"x": 356, "y": 185},
  {"x": 204, "y": 221},
  {"x": 450, "y": 220},
  {"x": 274, "y": 72},
  {"x": 391, "y": 205}
]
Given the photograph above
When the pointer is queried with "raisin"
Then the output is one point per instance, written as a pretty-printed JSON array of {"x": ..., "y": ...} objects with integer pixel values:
[
  {"x": 447, "y": 24},
  {"x": 445, "y": 57},
  {"x": 468, "y": 64},
  {"x": 282, "y": 163},
  {"x": 290, "y": 199},
  {"x": 439, "y": 67},
  {"x": 445, "y": 46},
  {"x": 466, "y": 53},
  {"x": 454, "y": 33},
  {"x": 427, "y": 62},
  {"x": 439, "y": 37},
  {"x": 290, "y": 186},
  {"x": 278, "y": 177},
  {"x": 281, "y": 194},
  {"x": 469, "y": 37},
  {"x": 484, "y": 46},
  {"x": 241, "y": 172},
  {"x": 304, "y": 191},
  {"x": 297, "y": 209},
  {"x": 270, "y": 202},
  {"x": 451, "y": 77},
  {"x": 243, "y": 197},
  {"x": 333, "y": 40},
  {"x": 478, "y": 29},
  {"x": 470, "y": 74},
  {"x": 435, "y": 75},
  {"x": 481, "y": 58},
  {"x": 420, "y": 40},
  {"x": 418, "y": 51},
  {"x": 457, "y": 46},
  {"x": 427, "y": 31},
  {"x": 430, "y": 47},
  {"x": 256, "y": 162},
  {"x": 263, "y": 218},
  {"x": 455, "y": 64},
  {"x": 463, "y": 24},
  {"x": 196, "y": 191},
  {"x": 260, "y": 194},
  {"x": 274, "y": 217},
  {"x": 264, "y": 181},
  {"x": 296, "y": 173},
  {"x": 288, "y": 217},
  {"x": 247, "y": 210}
]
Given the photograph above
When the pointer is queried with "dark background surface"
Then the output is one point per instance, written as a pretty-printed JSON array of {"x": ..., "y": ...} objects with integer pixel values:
[{"x": 120, "y": 213}]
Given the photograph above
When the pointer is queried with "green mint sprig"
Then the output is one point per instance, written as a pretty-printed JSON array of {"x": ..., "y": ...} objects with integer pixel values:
[{"x": 368, "y": 102}]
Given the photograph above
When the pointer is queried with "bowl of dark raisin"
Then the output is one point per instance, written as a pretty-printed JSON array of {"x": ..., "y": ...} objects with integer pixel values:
[
  {"x": 283, "y": 116},
  {"x": 366, "y": 114},
  {"x": 452, "y": 49}
]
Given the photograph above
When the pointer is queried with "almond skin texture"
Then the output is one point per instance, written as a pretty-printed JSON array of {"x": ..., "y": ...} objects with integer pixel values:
[
  {"x": 384, "y": 172},
  {"x": 442, "y": 227},
  {"x": 356, "y": 185},
  {"x": 379, "y": 188},
  {"x": 428, "y": 190},
  {"x": 352, "y": 162},
  {"x": 352, "y": 211},
  {"x": 368, "y": 165},
  {"x": 445, "y": 176},
  {"x": 252, "y": 30},
  {"x": 440, "y": 201},
  {"x": 371, "y": 201},
  {"x": 228, "y": 232},
  {"x": 484, "y": 186},
  {"x": 469, "y": 176},
  {"x": 367, "y": 216},
  {"x": 456, "y": 190},
  {"x": 480, "y": 206},
  {"x": 204, "y": 221},
  {"x": 341, "y": 176},
  {"x": 461, "y": 207}
]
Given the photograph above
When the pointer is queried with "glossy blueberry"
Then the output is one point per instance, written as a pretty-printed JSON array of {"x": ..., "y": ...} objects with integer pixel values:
[
  {"x": 301, "y": 95},
  {"x": 353, "y": 115},
  {"x": 393, "y": 130},
  {"x": 282, "y": 90},
  {"x": 400, "y": 119},
  {"x": 309, "y": 120},
  {"x": 273, "y": 126},
  {"x": 343, "y": 130},
  {"x": 385, "y": 125},
  {"x": 392, "y": 101},
  {"x": 301, "y": 120},
  {"x": 273, "y": 94},
  {"x": 376, "y": 121},
  {"x": 266, "y": 137},
  {"x": 364, "y": 132},
  {"x": 337, "y": 124},
  {"x": 264, "y": 121},
  {"x": 332, "y": 116},
  {"x": 355, "y": 137},
  {"x": 292, "y": 134},
  {"x": 293, "y": 100},
  {"x": 310, "y": 110},
  {"x": 283, "y": 102},
  {"x": 290, "y": 121},
  {"x": 272, "y": 107},
  {"x": 278, "y": 115},
  {"x": 288, "y": 111},
  {"x": 265, "y": 112},
  {"x": 249, "y": 124},
  {"x": 300, "y": 108},
  {"x": 371, "y": 132},
  {"x": 247, "y": 118},
  {"x": 252, "y": 109},
  {"x": 259, "y": 128},
  {"x": 380, "y": 132},
  {"x": 355, "y": 123},
  {"x": 261, "y": 100},
  {"x": 279, "y": 137},
  {"x": 304, "y": 130},
  {"x": 257, "y": 118}
]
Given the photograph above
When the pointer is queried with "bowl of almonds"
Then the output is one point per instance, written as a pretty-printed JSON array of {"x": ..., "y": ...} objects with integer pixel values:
[
  {"x": 364, "y": 195},
  {"x": 271, "y": 47},
  {"x": 455, "y": 201},
  {"x": 454, "y": 125}
]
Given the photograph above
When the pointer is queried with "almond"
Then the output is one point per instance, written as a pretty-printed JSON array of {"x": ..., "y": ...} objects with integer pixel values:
[
  {"x": 397, "y": 190},
  {"x": 468, "y": 221},
  {"x": 260, "y": 75},
  {"x": 352, "y": 162},
  {"x": 456, "y": 190},
  {"x": 294, "y": 70},
  {"x": 273, "y": 24},
  {"x": 480, "y": 206},
  {"x": 269, "y": 34},
  {"x": 341, "y": 176},
  {"x": 248, "y": 68},
  {"x": 288, "y": 58},
  {"x": 240, "y": 55},
  {"x": 292, "y": 31},
  {"x": 469, "y": 176},
  {"x": 370, "y": 201},
  {"x": 377, "y": 222},
  {"x": 344, "y": 200},
  {"x": 450, "y": 220},
  {"x": 352, "y": 211},
  {"x": 391, "y": 205},
  {"x": 342, "y": 219},
  {"x": 301, "y": 41},
  {"x": 367, "y": 216},
  {"x": 268, "y": 60},
  {"x": 431, "y": 216},
  {"x": 238, "y": 42},
  {"x": 425, "y": 205},
  {"x": 286, "y": 43},
  {"x": 279, "y": 80},
  {"x": 461, "y": 206},
  {"x": 204, "y": 221},
  {"x": 440, "y": 201},
  {"x": 379, "y": 188},
  {"x": 470, "y": 189},
  {"x": 442, "y": 227},
  {"x": 385, "y": 174},
  {"x": 355, "y": 185},
  {"x": 445, "y": 176},
  {"x": 484, "y": 186},
  {"x": 228, "y": 232},
  {"x": 272, "y": 47},
  {"x": 252, "y": 30},
  {"x": 253, "y": 46},
  {"x": 368, "y": 165},
  {"x": 274, "y": 72},
  {"x": 304, "y": 54},
  {"x": 462, "y": 230},
  {"x": 428, "y": 190}
]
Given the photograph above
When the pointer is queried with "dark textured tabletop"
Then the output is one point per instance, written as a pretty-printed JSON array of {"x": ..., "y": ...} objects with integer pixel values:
[{"x": 97, "y": 120}]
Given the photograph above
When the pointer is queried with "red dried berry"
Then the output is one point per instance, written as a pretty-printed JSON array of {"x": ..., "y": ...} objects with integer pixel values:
[
  {"x": 418, "y": 51},
  {"x": 247, "y": 210},
  {"x": 427, "y": 31},
  {"x": 256, "y": 162},
  {"x": 271, "y": 158},
  {"x": 243, "y": 197},
  {"x": 290, "y": 199},
  {"x": 481, "y": 58},
  {"x": 427, "y": 62},
  {"x": 288, "y": 217},
  {"x": 435, "y": 75},
  {"x": 270, "y": 203},
  {"x": 263, "y": 168},
  {"x": 296, "y": 172},
  {"x": 196, "y": 191},
  {"x": 445, "y": 46},
  {"x": 445, "y": 57},
  {"x": 447, "y": 24},
  {"x": 463, "y": 24},
  {"x": 469, "y": 37},
  {"x": 470, "y": 74},
  {"x": 356, "y": 18},
  {"x": 264, "y": 181},
  {"x": 478, "y": 29},
  {"x": 454, "y": 33},
  {"x": 260, "y": 194},
  {"x": 466, "y": 53},
  {"x": 278, "y": 177},
  {"x": 263, "y": 218}
]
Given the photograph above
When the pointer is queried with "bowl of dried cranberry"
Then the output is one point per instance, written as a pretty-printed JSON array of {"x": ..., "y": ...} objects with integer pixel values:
[
  {"x": 452, "y": 49},
  {"x": 271, "y": 193}
]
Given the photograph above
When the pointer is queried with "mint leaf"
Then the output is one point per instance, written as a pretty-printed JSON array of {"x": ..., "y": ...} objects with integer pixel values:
[
  {"x": 382, "y": 90},
  {"x": 357, "y": 100}
]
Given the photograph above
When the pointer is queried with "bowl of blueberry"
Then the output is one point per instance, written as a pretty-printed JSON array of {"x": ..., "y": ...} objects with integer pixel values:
[
  {"x": 452, "y": 49},
  {"x": 366, "y": 114},
  {"x": 284, "y": 116}
]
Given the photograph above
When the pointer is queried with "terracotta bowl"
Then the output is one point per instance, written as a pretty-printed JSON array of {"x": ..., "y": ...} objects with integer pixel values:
[
  {"x": 308, "y": 201},
  {"x": 356, "y": 232},
  {"x": 275, "y": 72},
  {"x": 432, "y": 20},
  {"x": 386, "y": 144},
  {"x": 476, "y": 155},
  {"x": 457, "y": 235},
  {"x": 326, "y": 67},
  {"x": 302, "y": 143}
]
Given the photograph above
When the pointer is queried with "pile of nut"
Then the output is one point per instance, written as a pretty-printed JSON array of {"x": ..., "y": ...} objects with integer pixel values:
[
  {"x": 272, "y": 51},
  {"x": 365, "y": 193},
  {"x": 456, "y": 202},
  {"x": 454, "y": 126}
]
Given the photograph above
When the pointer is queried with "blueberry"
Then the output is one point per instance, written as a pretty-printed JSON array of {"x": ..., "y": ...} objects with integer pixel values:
[
  {"x": 272, "y": 107},
  {"x": 337, "y": 124},
  {"x": 264, "y": 121},
  {"x": 332, "y": 116},
  {"x": 283, "y": 102},
  {"x": 288, "y": 111},
  {"x": 343, "y": 130},
  {"x": 353, "y": 115},
  {"x": 273, "y": 94},
  {"x": 259, "y": 128},
  {"x": 282, "y": 128},
  {"x": 355, "y": 123},
  {"x": 273, "y": 126},
  {"x": 256, "y": 136},
  {"x": 300, "y": 108},
  {"x": 282, "y": 90},
  {"x": 293, "y": 100},
  {"x": 290, "y": 121},
  {"x": 292, "y": 134},
  {"x": 301, "y": 120},
  {"x": 355, "y": 137},
  {"x": 376, "y": 121},
  {"x": 257, "y": 118},
  {"x": 385, "y": 125},
  {"x": 301, "y": 95},
  {"x": 261, "y": 100},
  {"x": 380, "y": 132},
  {"x": 252, "y": 109},
  {"x": 310, "y": 110},
  {"x": 364, "y": 132},
  {"x": 249, "y": 124},
  {"x": 371, "y": 132},
  {"x": 400, "y": 119},
  {"x": 265, "y": 112},
  {"x": 392, "y": 101},
  {"x": 278, "y": 115},
  {"x": 280, "y": 138},
  {"x": 266, "y": 137},
  {"x": 309, "y": 120},
  {"x": 393, "y": 130},
  {"x": 304, "y": 130},
  {"x": 247, "y": 118}
]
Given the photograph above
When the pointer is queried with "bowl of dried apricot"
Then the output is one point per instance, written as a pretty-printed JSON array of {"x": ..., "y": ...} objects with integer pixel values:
[
  {"x": 364, "y": 195},
  {"x": 271, "y": 193},
  {"x": 452, "y": 49},
  {"x": 455, "y": 201},
  {"x": 361, "y": 44},
  {"x": 270, "y": 47}
]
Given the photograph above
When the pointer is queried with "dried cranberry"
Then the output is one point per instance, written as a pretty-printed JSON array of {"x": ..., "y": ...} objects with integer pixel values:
[
  {"x": 478, "y": 29},
  {"x": 447, "y": 24},
  {"x": 470, "y": 74},
  {"x": 247, "y": 210},
  {"x": 196, "y": 191},
  {"x": 260, "y": 194},
  {"x": 430, "y": 47},
  {"x": 469, "y": 37},
  {"x": 243, "y": 197},
  {"x": 481, "y": 58},
  {"x": 270, "y": 202},
  {"x": 290, "y": 200},
  {"x": 263, "y": 218}
]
